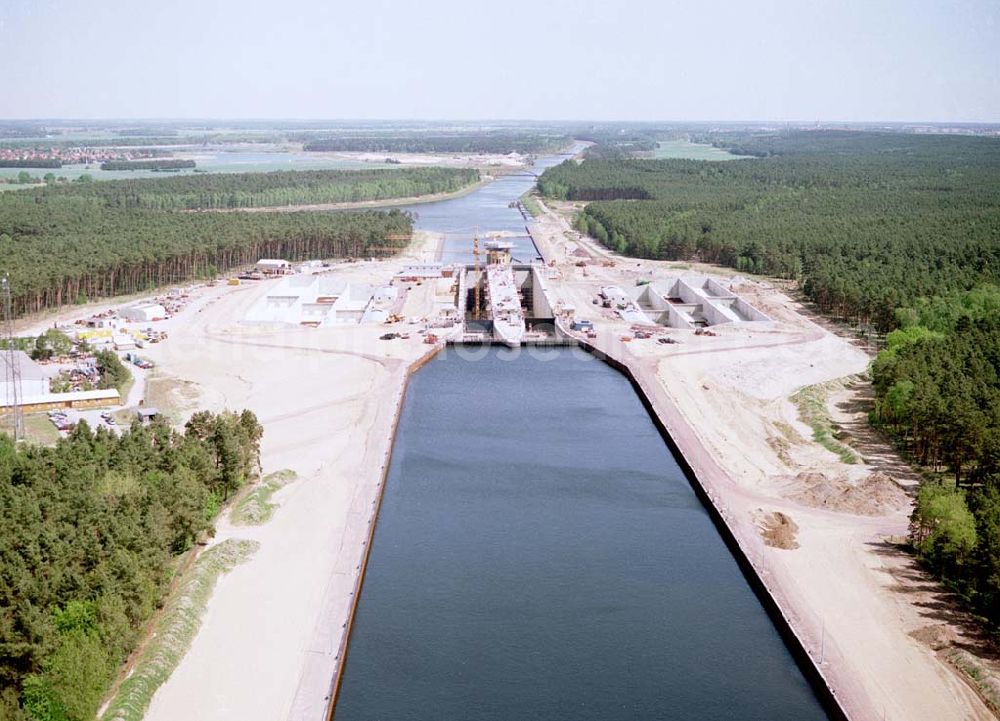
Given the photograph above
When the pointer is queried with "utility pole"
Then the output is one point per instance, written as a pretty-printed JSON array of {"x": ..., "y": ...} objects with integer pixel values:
[
  {"x": 12, "y": 368},
  {"x": 476, "y": 314}
]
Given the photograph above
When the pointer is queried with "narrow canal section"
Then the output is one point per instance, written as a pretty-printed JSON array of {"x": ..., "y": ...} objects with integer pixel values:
[{"x": 539, "y": 554}]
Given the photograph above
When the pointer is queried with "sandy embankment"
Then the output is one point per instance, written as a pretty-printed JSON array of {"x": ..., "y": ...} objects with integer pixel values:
[
  {"x": 836, "y": 589},
  {"x": 847, "y": 595},
  {"x": 452, "y": 160},
  {"x": 327, "y": 399},
  {"x": 269, "y": 642}
]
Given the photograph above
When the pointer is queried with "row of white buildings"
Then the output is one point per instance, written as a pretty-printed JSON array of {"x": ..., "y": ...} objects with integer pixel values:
[{"x": 321, "y": 300}]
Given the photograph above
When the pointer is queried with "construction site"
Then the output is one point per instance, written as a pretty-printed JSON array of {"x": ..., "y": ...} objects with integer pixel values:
[
  {"x": 504, "y": 301},
  {"x": 512, "y": 303},
  {"x": 324, "y": 352}
]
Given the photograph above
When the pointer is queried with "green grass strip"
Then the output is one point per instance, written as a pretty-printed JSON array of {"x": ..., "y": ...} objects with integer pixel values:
[
  {"x": 811, "y": 402},
  {"x": 256, "y": 507},
  {"x": 175, "y": 629},
  {"x": 987, "y": 684},
  {"x": 530, "y": 203}
]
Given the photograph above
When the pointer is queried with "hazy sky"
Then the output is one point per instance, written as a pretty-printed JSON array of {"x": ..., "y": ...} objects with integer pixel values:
[{"x": 538, "y": 59}]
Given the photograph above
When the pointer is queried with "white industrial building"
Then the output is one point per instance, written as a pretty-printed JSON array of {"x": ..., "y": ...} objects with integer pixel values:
[
  {"x": 35, "y": 393},
  {"x": 143, "y": 312},
  {"x": 34, "y": 381},
  {"x": 421, "y": 270},
  {"x": 65, "y": 401},
  {"x": 322, "y": 300},
  {"x": 123, "y": 341},
  {"x": 274, "y": 266},
  {"x": 100, "y": 321}
]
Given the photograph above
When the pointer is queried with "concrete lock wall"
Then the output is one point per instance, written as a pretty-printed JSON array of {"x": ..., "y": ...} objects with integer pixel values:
[
  {"x": 677, "y": 319},
  {"x": 540, "y": 298},
  {"x": 687, "y": 293},
  {"x": 748, "y": 311},
  {"x": 716, "y": 289},
  {"x": 652, "y": 296},
  {"x": 716, "y": 314}
]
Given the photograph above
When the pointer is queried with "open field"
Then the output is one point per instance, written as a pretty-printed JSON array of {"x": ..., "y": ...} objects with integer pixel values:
[
  {"x": 209, "y": 161},
  {"x": 691, "y": 151},
  {"x": 37, "y": 428}
]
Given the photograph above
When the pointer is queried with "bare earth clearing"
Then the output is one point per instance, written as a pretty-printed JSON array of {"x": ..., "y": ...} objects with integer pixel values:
[{"x": 450, "y": 160}]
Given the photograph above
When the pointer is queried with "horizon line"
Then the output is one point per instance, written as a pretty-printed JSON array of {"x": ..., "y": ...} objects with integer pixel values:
[{"x": 256, "y": 119}]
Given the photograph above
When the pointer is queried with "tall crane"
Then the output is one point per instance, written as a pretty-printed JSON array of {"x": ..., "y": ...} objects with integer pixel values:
[
  {"x": 477, "y": 288},
  {"x": 11, "y": 365}
]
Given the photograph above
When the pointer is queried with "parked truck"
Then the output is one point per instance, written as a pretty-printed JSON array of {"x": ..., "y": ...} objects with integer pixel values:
[{"x": 138, "y": 361}]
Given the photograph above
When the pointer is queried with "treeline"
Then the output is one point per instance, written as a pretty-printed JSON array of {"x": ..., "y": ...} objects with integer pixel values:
[
  {"x": 166, "y": 164},
  {"x": 90, "y": 531},
  {"x": 69, "y": 247},
  {"x": 619, "y": 150},
  {"x": 937, "y": 383},
  {"x": 256, "y": 190},
  {"x": 937, "y": 388},
  {"x": 845, "y": 143},
  {"x": 616, "y": 143},
  {"x": 866, "y": 231},
  {"x": 422, "y": 142},
  {"x": 71, "y": 243},
  {"x": 30, "y": 163},
  {"x": 16, "y": 129},
  {"x": 142, "y": 141},
  {"x": 26, "y": 178},
  {"x": 149, "y": 131}
]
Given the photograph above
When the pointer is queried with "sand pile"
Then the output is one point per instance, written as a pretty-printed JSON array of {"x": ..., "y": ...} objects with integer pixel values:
[
  {"x": 876, "y": 495},
  {"x": 778, "y": 530},
  {"x": 937, "y": 636}
]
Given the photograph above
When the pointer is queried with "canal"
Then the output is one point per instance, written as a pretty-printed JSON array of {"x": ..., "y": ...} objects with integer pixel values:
[
  {"x": 539, "y": 554},
  {"x": 488, "y": 209}
]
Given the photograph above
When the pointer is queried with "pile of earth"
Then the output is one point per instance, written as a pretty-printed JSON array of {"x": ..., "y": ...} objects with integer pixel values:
[
  {"x": 778, "y": 530},
  {"x": 876, "y": 495}
]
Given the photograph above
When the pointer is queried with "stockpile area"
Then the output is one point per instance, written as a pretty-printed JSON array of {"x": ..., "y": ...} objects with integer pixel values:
[{"x": 876, "y": 495}]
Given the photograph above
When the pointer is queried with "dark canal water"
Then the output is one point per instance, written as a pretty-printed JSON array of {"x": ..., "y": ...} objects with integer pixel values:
[
  {"x": 486, "y": 208},
  {"x": 540, "y": 555}
]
